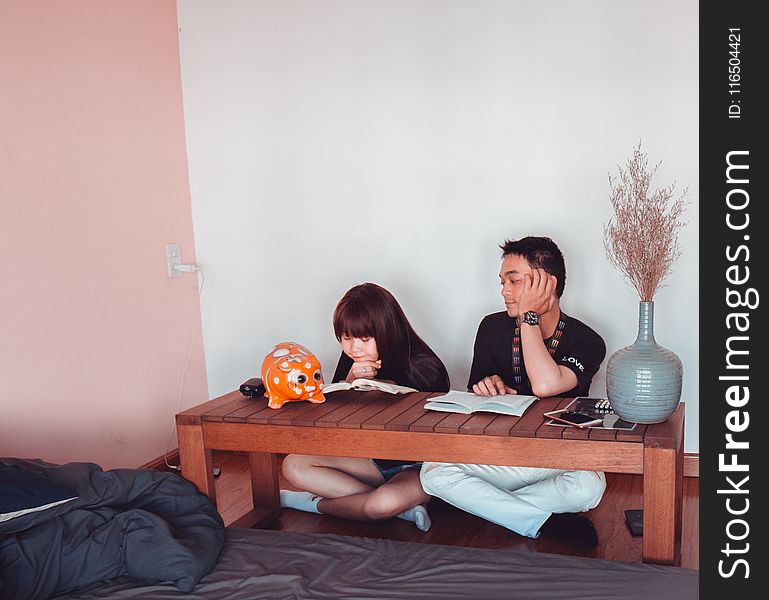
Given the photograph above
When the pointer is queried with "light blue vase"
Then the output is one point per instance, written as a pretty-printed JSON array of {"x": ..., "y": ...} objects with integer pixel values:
[{"x": 643, "y": 381}]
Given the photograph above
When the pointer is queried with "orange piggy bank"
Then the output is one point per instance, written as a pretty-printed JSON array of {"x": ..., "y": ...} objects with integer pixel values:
[{"x": 290, "y": 372}]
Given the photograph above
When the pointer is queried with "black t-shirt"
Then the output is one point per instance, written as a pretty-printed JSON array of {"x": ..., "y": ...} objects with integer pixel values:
[{"x": 580, "y": 350}]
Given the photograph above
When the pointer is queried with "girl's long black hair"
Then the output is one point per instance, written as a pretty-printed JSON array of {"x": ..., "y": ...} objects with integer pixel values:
[{"x": 369, "y": 310}]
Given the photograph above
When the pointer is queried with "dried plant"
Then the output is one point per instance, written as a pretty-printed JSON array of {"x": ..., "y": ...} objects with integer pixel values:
[{"x": 641, "y": 239}]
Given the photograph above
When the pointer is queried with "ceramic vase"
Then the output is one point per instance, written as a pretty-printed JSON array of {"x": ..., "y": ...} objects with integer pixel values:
[{"x": 643, "y": 381}]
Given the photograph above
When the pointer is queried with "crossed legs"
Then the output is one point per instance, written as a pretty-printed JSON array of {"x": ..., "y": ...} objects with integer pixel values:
[
  {"x": 519, "y": 498},
  {"x": 353, "y": 488}
]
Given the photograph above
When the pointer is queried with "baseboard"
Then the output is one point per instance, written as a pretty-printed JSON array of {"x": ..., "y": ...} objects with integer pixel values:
[
  {"x": 159, "y": 463},
  {"x": 692, "y": 464}
]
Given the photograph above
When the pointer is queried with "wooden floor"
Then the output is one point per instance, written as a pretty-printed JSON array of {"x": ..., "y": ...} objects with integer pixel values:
[{"x": 451, "y": 526}]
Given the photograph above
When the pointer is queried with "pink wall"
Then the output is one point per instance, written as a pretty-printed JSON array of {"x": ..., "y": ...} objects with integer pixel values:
[{"x": 93, "y": 184}]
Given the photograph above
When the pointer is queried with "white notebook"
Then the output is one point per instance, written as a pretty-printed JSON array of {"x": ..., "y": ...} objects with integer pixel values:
[
  {"x": 367, "y": 385},
  {"x": 467, "y": 402}
]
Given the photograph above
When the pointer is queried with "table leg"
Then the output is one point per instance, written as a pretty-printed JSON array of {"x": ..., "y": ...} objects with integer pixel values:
[
  {"x": 195, "y": 459},
  {"x": 265, "y": 489},
  {"x": 663, "y": 505}
]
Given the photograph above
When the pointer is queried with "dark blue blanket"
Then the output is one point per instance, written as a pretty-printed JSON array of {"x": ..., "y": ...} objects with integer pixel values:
[{"x": 145, "y": 524}]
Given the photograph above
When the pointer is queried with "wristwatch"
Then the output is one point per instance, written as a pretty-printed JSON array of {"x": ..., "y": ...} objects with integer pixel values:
[{"x": 530, "y": 318}]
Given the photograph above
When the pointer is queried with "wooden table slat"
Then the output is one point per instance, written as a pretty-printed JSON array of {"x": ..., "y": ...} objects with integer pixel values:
[
  {"x": 349, "y": 402},
  {"x": 192, "y": 416},
  {"x": 452, "y": 423},
  {"x": 263, "y": 414},
  {"x": 403, "y": 421},
  {"x": 218, "y": 413},
  {"x": 318, "y": 411},
  {"x": 476, "y": 424},
  {"x": 203, "y": 408},
  {"x": 379, "y": 402},
  {"x": 262, "y": 417},
  {"x": 528, "y": 424},
  {"x": 634, "y": 435},
  {"x": 501, "y": 425},
  {"x": 403, "y": 403},
  {"x": 301, "y": 413},
  {"x": 242, "y": 415},
  {"x": 290, "y": 411},
  {"x": 428, "y": 421},
  {"x": 603, "y": 434},
  {"x": 576, "y": 433}
]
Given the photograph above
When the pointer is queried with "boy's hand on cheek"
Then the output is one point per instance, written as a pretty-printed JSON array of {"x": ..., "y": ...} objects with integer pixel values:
[{"x": 538, "y": 292}]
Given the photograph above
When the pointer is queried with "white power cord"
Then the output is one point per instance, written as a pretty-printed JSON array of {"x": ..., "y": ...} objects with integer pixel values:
[
  {"x": 188, "y": 269},
  {"x": 184, "y": 269}
]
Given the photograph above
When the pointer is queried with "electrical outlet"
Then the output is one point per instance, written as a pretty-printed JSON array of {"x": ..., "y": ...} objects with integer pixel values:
[{"x": 173, "y": 258}]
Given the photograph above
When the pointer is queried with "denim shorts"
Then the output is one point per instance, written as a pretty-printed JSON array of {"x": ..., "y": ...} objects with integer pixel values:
[{"x": 390, "y": 468}]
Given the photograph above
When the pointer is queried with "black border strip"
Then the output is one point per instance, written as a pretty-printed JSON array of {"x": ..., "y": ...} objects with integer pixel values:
[{"x": 732, "y": 120}]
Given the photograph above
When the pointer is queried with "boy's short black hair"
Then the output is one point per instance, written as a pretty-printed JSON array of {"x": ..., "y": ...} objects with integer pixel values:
[{"x": 540, "y": 253}]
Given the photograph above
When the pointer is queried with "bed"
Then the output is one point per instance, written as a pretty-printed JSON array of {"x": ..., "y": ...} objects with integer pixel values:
[
  {"x": 256, "y": 564},
  {"x": 202, "y": 560}
]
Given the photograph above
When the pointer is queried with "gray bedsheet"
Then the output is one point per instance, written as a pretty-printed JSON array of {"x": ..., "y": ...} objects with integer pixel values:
[
  {"x": 149, "y": 525},
  {"x": 259, "y": 564}
]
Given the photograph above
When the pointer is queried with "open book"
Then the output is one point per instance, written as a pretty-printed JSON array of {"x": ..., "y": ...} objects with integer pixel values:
[
  {"x": 367, "y": 385},
  {"x": 467, "y": 402}
]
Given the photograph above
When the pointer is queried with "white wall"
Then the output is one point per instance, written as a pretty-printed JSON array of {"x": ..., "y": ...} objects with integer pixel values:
[{"x": 400, "y": 142}]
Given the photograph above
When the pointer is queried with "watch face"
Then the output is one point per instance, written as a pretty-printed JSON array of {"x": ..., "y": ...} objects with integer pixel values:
[{"x": 531, "y": 318}]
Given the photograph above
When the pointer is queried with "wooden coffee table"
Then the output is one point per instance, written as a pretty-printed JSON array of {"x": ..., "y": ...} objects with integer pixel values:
[{"x": 376, "y": 424}]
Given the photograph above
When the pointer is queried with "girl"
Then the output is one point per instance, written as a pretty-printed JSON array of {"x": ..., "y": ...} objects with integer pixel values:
[{"x": 378, "y": 342}]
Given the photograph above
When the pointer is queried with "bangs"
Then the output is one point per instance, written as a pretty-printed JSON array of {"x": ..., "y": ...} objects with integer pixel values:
[{"x": 354, "y": 320}]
